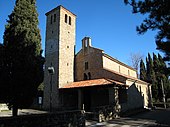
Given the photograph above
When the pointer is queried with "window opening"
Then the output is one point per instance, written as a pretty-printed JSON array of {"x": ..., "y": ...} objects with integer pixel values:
[
  {"x": 54, "y": 17},
  {"x": 51, "y": 19},
  {"x": 65, "y": 18},
  {"x": 86, "y": 65},
  {"x": 69, "y": 20}
]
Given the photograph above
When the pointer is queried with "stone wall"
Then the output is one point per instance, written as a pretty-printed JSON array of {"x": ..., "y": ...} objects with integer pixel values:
[
  {"x": 93, "y": 57},
  {"x": 66, "y": 47},
  {"x": 60, "y": 119},
  {"x": 117, "y": 66},
  {"x": 105, "y": 113},
  {"x": 59, "y": 53}
]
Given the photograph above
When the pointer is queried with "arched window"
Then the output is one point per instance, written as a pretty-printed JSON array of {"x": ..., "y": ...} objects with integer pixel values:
[
  {"x": 85, "y": 76},
  {"x": 66, "y": 18},
  {"x": 69, "y": 20}
]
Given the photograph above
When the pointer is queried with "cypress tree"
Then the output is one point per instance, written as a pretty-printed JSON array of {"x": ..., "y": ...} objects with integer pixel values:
[
  {"x": 147, "y": 70},
  {"x": 23, "y": 43},
  {"x": 156, "y": 63},
  {"x": 151, "y": 78},
  {"x": 164, "y": 76},
  {"x": 142, "y": 71},
  {"x": 163, "y": 66},
  {"x": 150, "y": 70},
  {"x": 158, "y": 74},
  {"x": 2, "y": 74}
]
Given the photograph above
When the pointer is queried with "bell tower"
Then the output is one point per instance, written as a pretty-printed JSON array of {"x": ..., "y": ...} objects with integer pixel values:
[{"x": 59, "y": 54}]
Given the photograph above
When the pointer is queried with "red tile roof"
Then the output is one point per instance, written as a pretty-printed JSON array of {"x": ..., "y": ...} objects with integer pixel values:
[
  {"x": 126, "y": 76},
  {"x": 94, "y": 82}
]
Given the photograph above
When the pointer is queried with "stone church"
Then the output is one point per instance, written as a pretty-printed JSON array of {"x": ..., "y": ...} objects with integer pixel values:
[{"x": 90, "y": 79}]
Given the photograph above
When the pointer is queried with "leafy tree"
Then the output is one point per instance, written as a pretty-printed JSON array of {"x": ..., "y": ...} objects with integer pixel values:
[
  {"x": 22, "y": 41},
  {"x": 142, "y": 71},
  {"x": 158, "y": 18}
]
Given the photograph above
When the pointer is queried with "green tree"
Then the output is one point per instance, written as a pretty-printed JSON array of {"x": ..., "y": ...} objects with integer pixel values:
[
  {"x": 162, "y": 66},
  {"x": 3, "y": 74},
  {"x": 159, "y": 75},
  {"x": 142, "y": 71},
  {"x": 150, "y": 70},
  {"x": 156, "y": 71},
  {"x": 22, "y": 41},
  {"x": 164, "y": 76},
  {"x": 151, "y": 78},
  {"x": 158, "y": 18}
]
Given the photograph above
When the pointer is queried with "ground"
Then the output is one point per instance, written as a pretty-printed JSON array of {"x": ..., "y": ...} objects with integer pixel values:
[{"x": 158, "y": 117}]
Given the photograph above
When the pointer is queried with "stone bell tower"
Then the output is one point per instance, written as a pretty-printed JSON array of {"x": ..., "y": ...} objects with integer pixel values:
[{"x": 59, "y": 54}]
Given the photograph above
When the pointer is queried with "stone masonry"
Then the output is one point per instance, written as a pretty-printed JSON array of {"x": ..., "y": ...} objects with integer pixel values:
[{"x": 59, "y": 53}]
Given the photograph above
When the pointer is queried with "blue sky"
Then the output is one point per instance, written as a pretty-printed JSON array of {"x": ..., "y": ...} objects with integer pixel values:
[{"x": 109, "y": 23}]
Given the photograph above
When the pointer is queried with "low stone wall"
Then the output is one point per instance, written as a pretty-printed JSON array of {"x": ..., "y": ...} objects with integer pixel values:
[
  {"x": 59, "y": 119},
  {"x": 108, "y": 112},
  {"x": 104, "y": 113}
]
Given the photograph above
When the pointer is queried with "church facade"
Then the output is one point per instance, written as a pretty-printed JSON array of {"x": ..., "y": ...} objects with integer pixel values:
[{"x": 89, "y": 79}]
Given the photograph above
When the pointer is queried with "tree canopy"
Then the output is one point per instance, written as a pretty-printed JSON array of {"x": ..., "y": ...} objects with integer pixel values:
[
  {"x": 158, "y": 18},
  {"x": 142, "y": 71},
  {"x": 22, "y": 42},
  {"x": 154, "y": 72}
]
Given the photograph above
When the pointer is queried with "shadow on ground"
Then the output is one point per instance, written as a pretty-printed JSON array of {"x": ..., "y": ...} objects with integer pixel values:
[
  {"x": 154, "y": 118},
  {"x": 160, "y": 116}
]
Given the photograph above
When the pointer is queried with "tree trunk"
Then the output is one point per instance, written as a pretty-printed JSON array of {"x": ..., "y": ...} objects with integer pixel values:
[{"x": 15, "y": 110}]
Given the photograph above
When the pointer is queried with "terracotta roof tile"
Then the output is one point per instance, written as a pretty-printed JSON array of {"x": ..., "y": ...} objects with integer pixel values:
[
  {"x": 94, "y": 82},
  {"x": 126, "y": 76}
]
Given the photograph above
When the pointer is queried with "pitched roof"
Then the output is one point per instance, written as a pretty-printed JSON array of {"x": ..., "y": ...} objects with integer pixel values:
[
  {"x": 94, "y": 82},
  {"x": 127, "y": 77},
  {"x": 58, "y": 7}
]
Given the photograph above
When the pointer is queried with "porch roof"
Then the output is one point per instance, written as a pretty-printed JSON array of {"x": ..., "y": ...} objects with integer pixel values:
[{"x": 94, "y": 82}]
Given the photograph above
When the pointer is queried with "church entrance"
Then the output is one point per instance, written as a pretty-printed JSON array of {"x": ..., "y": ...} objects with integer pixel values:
[
  {"x": 87, "y": 100},
  {"x": 93, "y": 97}
]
